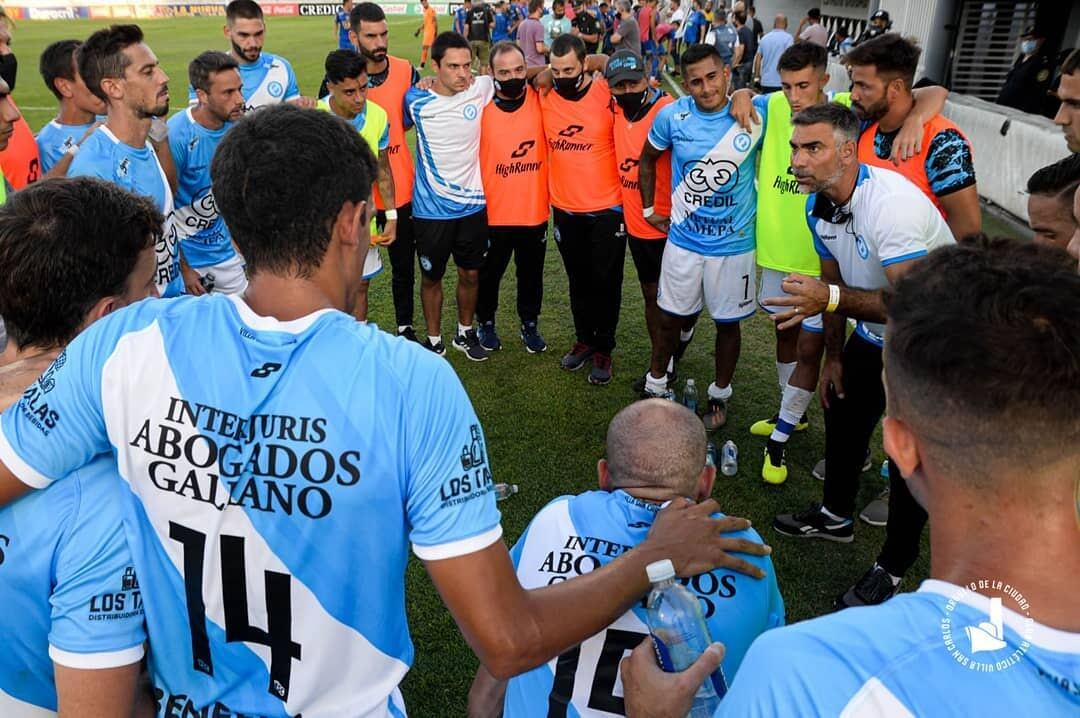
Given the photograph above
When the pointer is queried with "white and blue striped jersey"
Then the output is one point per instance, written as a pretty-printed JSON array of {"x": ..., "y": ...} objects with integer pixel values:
[
  {"x": 135, "y": 169},
  {"x": 204, "y": 239},
  {"x": 276, "y": 491},
  {"x": 55, "y": 139},
  {"x": 887, "y": 220},
  {"x": 574, "y": 535},
  {"x": 911, "y": 656},
  {"x": 448, "y": 150},
  {"x": 68, "y": 586},
  {"x": 267, "y": 81},
  {"x": 713, "y": 166}
]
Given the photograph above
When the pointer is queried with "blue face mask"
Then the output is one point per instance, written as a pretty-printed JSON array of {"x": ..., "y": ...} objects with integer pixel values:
[{"x": 1028, "y": 47}]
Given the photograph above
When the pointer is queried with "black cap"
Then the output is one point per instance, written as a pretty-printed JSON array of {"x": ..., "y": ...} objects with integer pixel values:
[
  {"x": 624, "y": 65},
  {"x": 880, "y": 15},
  {"x": 1030, "y": 31}
]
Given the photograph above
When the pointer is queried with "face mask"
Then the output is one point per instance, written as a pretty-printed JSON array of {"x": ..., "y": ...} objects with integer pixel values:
[
  {"x": 568, "y": 86},
  {"x": 512, "y": 88},
  {"x": 1027, "y": 47},
  {"x": 631, "y": 102}
]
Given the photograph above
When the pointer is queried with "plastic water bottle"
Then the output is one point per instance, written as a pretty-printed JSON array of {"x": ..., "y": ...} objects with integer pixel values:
[
  {"x": 680, "y": 635},
  {"x": 710, "y": 454},
  {"x": 505, "y": 491},
  {"x": 729, "y": 458},
  {"x": 690, "y": 395}
]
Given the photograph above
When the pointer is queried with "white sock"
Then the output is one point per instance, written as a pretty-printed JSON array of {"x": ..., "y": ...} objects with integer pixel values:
[
  {"x": 655, "y": 386},
  {"x": 831, "y": 515},
  {"x": 362, "y": 321},
  {"x": 784, "y": 370},
  {"x": 403, "y": 327},
  {"x": 895, "y": 579},
  {"x": 794, "y": 404},
  {"x": 716, "y": 392},
  {"x": 462, "y": 328},
  {"x": 434, "y": 341}
]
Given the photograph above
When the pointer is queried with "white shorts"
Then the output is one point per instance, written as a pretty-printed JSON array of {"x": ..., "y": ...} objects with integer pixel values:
[
  {"x": 224, "y": 277},
  {"x": 689, "y": 280},
  {"x": 771, "y": 280},
  {"x": 372, "y": 264}
]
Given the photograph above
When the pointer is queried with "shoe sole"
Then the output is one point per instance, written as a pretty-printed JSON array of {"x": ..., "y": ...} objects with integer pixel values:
[
  {"x": 564, "y": 367},
  {"x": 465, "y": 351},
  {"x": 490, "y": 349},
  {"x": 825, "y": 537},
  {"x": 594, "y": 382},
  {"x": 868, "y": 522},
  {"x": 866, "y": 467},
  {"x": 531, "y": 350}
]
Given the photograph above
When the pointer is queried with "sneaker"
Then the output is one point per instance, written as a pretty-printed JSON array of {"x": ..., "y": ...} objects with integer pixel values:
[
  {"x": 638, "y": 384},
  {"x": 439, "y": 348},
  {"x": 876, "y": 512},
  {"x": 530, "y": 336},
  {"x": 774, "y": 469},
  {"x": 576, "y": 357},
  {"x": 601, "y": 370},
  {"x": 765, "y": 426},
  {"x": 814, "y": 523},
  {"x": 489, "y": 338},
  {"x": 469, "y": 344},
  {"x": 645, "y": 392},
  {"x": 716, "y": 414},
  {"x": 875, "y": 587},
  {"x": 819, "y": 468},
  {"x": 410, "y": 334}
]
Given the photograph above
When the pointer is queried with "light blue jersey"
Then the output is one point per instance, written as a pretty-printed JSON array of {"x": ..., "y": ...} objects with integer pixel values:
[
  {"x": 55, "y": 139},
  {"x": 277, "y": 490},
  {"x": 577, "y": 534},
  {"x": 713, "y": 197},
  {"x": 135, "y": 169},
  {"x": 204, "y": 238},
  {"x": 927, "y": 653},
  {"x": 267, "y": 81},
  {"x": 68, "y": 586}
]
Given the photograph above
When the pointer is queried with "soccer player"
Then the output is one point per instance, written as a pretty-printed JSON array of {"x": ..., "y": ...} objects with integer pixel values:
[
  {"x": 194, "y": 134},
  {"x": 430, "y": 27},
  {"x": 341, "y": 25},
  {"x": 73, "y": 618},
  {"x": 655, "y": 453},
  {"x": 514, "y": 172},
  {"x": 241, "y": 471},
  {"x": 449, "y": 209},
  {"x": 124, "y": 73},
  {"x": 1068, "y": 115},
  {"x": 870, "y": 227},
  {"x": 709, "y": 257},
  {"x": 78, "y": 111},
  {"x": 585, "y": 196},
  {"x": 1050, "y": 196},
  {"x": 347, "y": 81},
  {"x": 978, "y": 434},
  {"x": 389, "y": 78}
]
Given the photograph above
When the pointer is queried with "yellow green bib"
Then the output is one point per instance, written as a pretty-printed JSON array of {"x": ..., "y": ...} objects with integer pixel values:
[{"x": 375, "y": 122}]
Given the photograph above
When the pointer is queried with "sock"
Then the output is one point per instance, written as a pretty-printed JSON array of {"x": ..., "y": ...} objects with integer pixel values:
[
  {"x": 671, "y": 365},
  {"x": 784, "y": 370},
  {"x": 685, "y": 336},
  {"x": 362, "y": 321},
  {"x": 831, "y": 515},
  {"x": 716, "y": 392},
  {"x": 462, "y": 328},
  {"x": 403, "y": 327},
  {"x": 655, "y": 386},
  {"x": 794, "y": 404},
  {"x": 895, "y": 579},
  {"x": 434, "y": 341}
]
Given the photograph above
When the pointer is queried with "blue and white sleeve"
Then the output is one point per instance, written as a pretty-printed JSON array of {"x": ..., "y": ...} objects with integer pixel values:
[
  {"x": 660, "y": 132},
  {"x": 293, "y": 90}
]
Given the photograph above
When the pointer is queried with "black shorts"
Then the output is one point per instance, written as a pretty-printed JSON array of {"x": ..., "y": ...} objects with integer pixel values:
[
  {"x": 647, "y": 254},
  {"x": 466, "y": 238}
]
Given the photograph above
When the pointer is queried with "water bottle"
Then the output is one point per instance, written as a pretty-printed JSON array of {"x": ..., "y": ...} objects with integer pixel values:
[
  {"x": 505, "y": 491},
  {"x": 680, "y": 635},
  {"x": 729, "y": 458},
  {"x": 690, "y": 396},
  {"x": 710, "y": 454}
]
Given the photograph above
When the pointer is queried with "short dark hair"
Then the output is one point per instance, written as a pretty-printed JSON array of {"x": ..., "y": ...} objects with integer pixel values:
[
  {"x": 565, "y": 44},
  {"x": 558, "y": 2},
  {"x": 814, "y": 13},
  {"x": 205, "y": 65},
  {"x": 843, "y": 121},
  {"x": 890, "y": 54},
  {"x": 502, "y": 47},
  {"x": 65, "y": 244},
  {"x": 802, "y": 55},
  {"x": 344, "y": 65},
  {"x": 697, "y": 52},
  {"x": 365, "y": 12},
  {"x": 955, "y": 324},
  {"x": 1072, "y": 63},
  {"x": 320, "y": 150},
  {"x": 535, "y": 5},
  {"x": 58, "y": 62},
  {"x": 102, "y": 55},
  {"x": 447, "y": 41},
  {"x": 243, "y": 10},
  {"x": 1058, "y": 180}
]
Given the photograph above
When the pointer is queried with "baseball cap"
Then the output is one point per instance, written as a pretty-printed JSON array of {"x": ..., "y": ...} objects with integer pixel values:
[
  {"x": 880, "y": 15},
  {"x": 624, "y": 65}
]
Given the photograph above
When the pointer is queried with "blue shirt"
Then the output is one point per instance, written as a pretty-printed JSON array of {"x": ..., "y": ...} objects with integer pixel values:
[
  {"x": 771, "y": 47},
  {"x": 341, "y": 22},
  {"x": 204, "y": 239},
  {"x": 55, "y": 139},
  {"x": 695, "y": 21},
  {"x": 949, "y": 164},
  {"x": 254, "y": 453},
  {"x": 713, "y": 197},
  {"x": 137, "y": 170},
  {"x": 267, "y": 81},
  {"x": 68, "y": 586},
  {"x": 502, "y": 27},
  {"x": 724, "y": 37},
  {"x": 574, "y": 535},
  {"x": 911, "y": 656},
  {"x": 461, "y": 20}
]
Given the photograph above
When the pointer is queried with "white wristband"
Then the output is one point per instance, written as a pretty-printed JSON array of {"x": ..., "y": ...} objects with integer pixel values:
[
  {"x": 647, "y": 212},
  {"x": 73, "y": 150},
  {"x": 834, "y": 298},
  {"x": 391, "y": 214}
]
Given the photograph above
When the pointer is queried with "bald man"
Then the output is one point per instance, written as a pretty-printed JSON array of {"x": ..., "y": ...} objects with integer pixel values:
[
  {"x": 655, "y": 454},
  {"x": 769, "y": 50}
]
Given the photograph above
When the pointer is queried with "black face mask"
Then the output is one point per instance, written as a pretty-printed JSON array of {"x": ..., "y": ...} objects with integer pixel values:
[
  {"x": 632, "y": 102},
  {"x": 568, "y": 86},
  {"x": 512, "y": 88}
]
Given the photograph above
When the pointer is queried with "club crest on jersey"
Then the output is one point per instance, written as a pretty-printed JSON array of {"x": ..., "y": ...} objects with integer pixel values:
[
  {"x": 122, "y": 168},
  {"x": 742, "y": 142},
  {"x": 469, "y": 112},
  {"x": 275, "y": 89},
  {"x": 860, "y": 246}
]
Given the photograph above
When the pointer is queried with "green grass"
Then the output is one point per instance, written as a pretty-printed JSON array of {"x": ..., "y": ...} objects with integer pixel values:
[{"x": 545, "y": 427}]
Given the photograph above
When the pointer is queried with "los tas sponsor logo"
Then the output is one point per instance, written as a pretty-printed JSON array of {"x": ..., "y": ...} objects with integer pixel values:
[
  {"x": 116, "y": 605},
  {"x": 475, "y": 480},
  {"x": 35, "y": 403}
]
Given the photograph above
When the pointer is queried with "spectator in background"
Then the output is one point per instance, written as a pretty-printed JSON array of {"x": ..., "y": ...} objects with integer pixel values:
[
  {"x": 770, "y": 49},
  {"x": 461, "y": 18},
  {"x": 880, "y": 23},
  {"x": 841, "y": 42},
  {"x": 745, "y": 53},
  {"x": 531, "y": 35},
  {"x": 811, "y": 29},
  {"x": 646, "y": 18},
  {"x": 481, "y": 22},
  {"x": 676, "y": 17},
  {"x": 518, "y": 11},
  {"x": 723, "y": 36},
  {"x": 1068, "y": 115},
  {"x": 696, "y": 25},
  {"x": 627, "y": 35},
  {"x": 755, "y": 24},
  {"x": 341, "y": 26},
  {"x": 556, "y": 23},
  {"x": 501, "y": 31},
  {"x": 1050, "y": 198},
  {"x": 1029, "y": 79},
  {"x": 608, "y": 19},
  {"x": 586, "y": 26}
]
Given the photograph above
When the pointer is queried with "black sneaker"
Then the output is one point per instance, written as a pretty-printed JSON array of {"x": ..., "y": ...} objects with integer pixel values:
[
  {"x": 439, "y": 348},
  {"x": 410, "y": 334},
  {"x": 875, "y": 586},
  {"x": 576, "y": 357},
  {"x": 489, "y": 338},
  {"x": 469, "y": 344},
  {"x": 814, "y": 523},
  {"x": 531, "y": 338}
]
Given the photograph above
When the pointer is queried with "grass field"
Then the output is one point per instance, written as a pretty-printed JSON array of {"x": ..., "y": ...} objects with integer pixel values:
[{"x": 545, "y": 428}]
